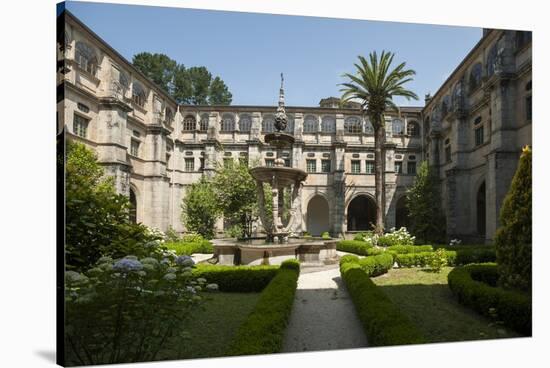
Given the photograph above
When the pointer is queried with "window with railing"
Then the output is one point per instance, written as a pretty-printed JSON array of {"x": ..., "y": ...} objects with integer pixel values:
[
  {"x": 228, "y": 123},
  {"x": 85, "y": 57},
  {"x": 328, "y": 124},
  {"x": 311, "y": 124},
  {"x": 203, "y": 125},
  {"x": 268, "y": 124},
  {"x": 353, "y": 125},
  {"x": 245, "y": 123}
]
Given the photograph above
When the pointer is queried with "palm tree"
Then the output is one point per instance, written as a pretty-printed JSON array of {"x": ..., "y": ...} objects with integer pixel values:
[{"x": 375, "y": 85}]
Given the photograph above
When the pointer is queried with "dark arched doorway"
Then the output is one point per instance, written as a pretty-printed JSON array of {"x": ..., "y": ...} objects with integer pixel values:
[
  {"x": 481, "y": 210},
  {"x": 361, "y": 213},
  {"x": 401, "y": 213},
  {"x": 133, "y": 207},
  {"x": 317, "y": 216}
]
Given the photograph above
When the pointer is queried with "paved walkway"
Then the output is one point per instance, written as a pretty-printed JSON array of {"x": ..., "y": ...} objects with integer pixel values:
[{"x": 323, "y": 316}]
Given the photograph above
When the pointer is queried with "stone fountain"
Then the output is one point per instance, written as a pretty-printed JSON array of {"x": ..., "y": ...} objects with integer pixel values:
[{"x": 280, "y": 242}]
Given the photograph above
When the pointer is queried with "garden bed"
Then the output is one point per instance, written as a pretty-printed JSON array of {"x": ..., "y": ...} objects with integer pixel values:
[{"x": 427, "y": 300}]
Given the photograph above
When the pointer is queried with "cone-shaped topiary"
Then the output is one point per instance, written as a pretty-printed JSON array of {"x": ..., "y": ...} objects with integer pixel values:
[{"x": 513, "y": 239}]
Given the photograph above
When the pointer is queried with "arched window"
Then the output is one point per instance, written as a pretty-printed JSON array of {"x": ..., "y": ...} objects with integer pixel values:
[
  {"x": 369, "y": 129},
  {"x": 413, "y": 130},
  {"x": 189, "y": 123},
  {"x": 457, "y": 95},
  {"x": 138, "y": 94},
  {"x": 353, "y": 125},
  {"x": 475, "y": 77},
  {"x": 268, "y": 124},
  {"x": 445, "y": 105},
  {"x": 328, "y": 124},
  {"x": 289, "y": 125},
  {"x": 203, "y": 125},
  {"x": 169, "y": 116},
  {"x": 228, "y": 123},
  {"x": 397, "y": 127},
  {"x": 491, "y": 60},
  {"x": 245, "y": 123},
  {"x": 311, "y": 124},
  {"x": 86, "y": 57}
]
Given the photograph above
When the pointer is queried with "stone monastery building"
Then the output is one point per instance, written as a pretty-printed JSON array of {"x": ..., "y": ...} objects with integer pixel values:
[{"x": 471, "y": 131}]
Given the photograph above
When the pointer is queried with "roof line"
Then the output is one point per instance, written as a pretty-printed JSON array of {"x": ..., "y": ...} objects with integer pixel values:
[{"x": 110, "y": 48}]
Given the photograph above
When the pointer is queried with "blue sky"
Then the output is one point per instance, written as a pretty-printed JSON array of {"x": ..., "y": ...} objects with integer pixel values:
[{"x": 249, "y": 51}]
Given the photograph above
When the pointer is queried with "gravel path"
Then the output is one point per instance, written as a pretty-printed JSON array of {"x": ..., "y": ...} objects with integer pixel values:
[{"x": 323, "y": 316}]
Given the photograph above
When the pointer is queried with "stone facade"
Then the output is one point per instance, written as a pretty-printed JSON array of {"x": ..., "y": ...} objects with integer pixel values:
[{"x": 156, "y": 148}]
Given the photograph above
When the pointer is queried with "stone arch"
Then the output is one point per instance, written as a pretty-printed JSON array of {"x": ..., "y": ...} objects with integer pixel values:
[
  {"x": 402, "y": 213},
  {"x": 361, "y": 213},
  {"x": 481, "y": 210},
  {"x": 317, "y": 215}
]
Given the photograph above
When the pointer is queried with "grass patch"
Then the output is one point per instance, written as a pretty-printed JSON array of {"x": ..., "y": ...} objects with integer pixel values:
[
  {"x": 212, "y": 326},
  {"x": 427, "y": 300}
]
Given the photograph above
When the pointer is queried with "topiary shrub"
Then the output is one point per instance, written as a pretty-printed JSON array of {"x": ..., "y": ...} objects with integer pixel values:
[
  {"x": 325, "y": 235},
  {"x": 473, "y": 287},
  {"x": 264, "y": 329},
  {"x": 513, "y": 240}
]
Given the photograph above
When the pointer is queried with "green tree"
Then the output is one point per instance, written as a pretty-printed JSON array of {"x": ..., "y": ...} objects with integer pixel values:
[
  {"x": 219, "y": 93},
  {"x": 236, "y": 193},
  {"x": 513, "y": 240},
  {"x": 375, "y": 85},
  {"x": 193, "y": 85},
  {"x": 157, "y": 67},
  {"x": 97, "y": 218},
  {"x": 201, "y": 208},
  {"x": 427, "y": 221}
]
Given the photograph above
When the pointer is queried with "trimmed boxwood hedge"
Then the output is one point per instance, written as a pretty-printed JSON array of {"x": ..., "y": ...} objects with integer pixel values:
[
  {"x": 465, "y": 255},
  {"x": 188, "y": 248},
  {"x": 354, "y": 246},
  {"x": 413, "y": 259},
  {"x": 237, "y": 278},
  {"x": 376, "y": 265},
  {"x": 469, "y": 285},
  {"x": 405, "y": 249},
  {"x": 264, "y": 329},
  {"x": 382, "y": 321}
]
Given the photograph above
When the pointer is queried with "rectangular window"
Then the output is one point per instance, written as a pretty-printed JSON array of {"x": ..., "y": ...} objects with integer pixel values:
[
  {"x": 80, "y": 126},
  {"x": 243, "y": 160},
  {"x": 201, "y": 168},
  {"x": 528, "y": 107},
  {"x": 370, "y": 167},
  {"x": 398, "y": 167},
  {"x": 311, "y": 166},
  {"x": 325, "y": 166},
  {"x": 189, "y": 164},
  {"x": 269, "y": 162},
  {"x": 134, "y": 147},
  {"x": 355, "y": 166},
  {"x": 287, "y": 162},
  {"x": 447, "y": 154},
  {"x": 411, "y": 168},
  {"x": 479, "y": 136}
]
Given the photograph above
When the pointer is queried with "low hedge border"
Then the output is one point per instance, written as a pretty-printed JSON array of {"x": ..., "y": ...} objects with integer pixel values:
[
  {"x": 512, "y": 308},
  {"x": 354, "y": 246},
  {"x": 382, "y": 321},
  {"x": 188, "y": 248},
  {"x": 406, "y": 249},
  {"x": 264, "y": 329},
  {"x": 242, "y": 279}
]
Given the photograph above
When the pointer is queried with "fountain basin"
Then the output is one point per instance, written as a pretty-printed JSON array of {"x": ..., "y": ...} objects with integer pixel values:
[{"x": 310, "y": 252}]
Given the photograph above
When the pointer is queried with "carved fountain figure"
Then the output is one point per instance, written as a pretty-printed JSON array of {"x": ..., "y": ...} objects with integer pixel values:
[{"x": 279, "y": 177}]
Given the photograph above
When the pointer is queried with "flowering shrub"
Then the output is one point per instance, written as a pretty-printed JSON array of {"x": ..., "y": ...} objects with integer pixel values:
[
  {"x": 156, "y": 234},
  {"x": 396, "y": 237},
  {"x": 437, "y": 260},
  {"x": 125, "y": 310}
]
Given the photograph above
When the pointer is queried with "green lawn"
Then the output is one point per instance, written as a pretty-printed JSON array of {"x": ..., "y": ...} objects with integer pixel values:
[
  {"x": 212, "y": 326},
  {"x": 426, "y": 298}
]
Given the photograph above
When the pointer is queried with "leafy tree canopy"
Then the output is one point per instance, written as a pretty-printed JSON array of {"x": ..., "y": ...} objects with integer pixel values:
[{"x": 194, "y": 85}]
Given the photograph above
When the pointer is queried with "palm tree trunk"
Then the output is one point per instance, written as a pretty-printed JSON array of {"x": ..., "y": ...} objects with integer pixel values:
[{"x": 379, "y": 174}]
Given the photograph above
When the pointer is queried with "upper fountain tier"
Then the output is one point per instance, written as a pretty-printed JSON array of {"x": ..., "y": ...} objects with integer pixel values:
[{"x": 279, "y": 139}]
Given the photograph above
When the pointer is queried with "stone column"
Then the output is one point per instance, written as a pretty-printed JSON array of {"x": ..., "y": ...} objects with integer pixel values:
[{"x": 339, "y": 189}]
